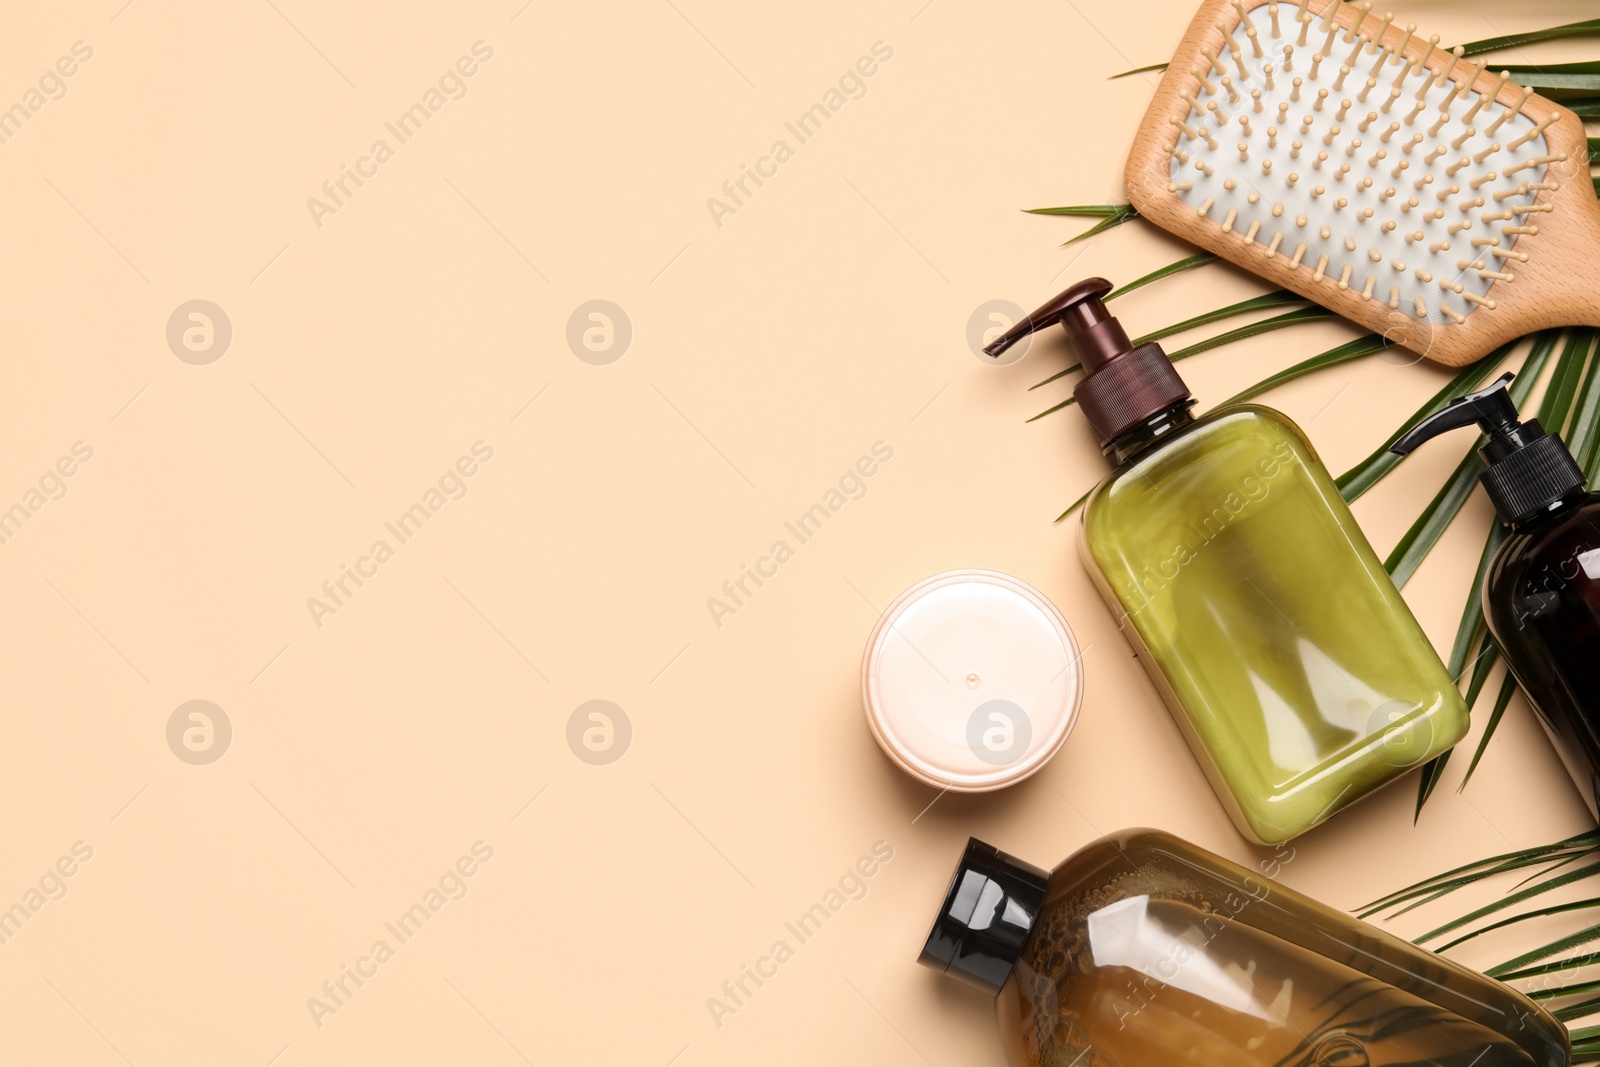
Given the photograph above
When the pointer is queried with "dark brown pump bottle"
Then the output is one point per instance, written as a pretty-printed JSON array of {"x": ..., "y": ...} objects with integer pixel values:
[
  {"x": 1541, "y": 591},
  {"x": 1142, "y": 950}
]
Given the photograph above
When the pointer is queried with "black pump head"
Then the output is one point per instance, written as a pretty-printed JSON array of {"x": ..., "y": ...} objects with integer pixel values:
[
  {"x": 1526, "y": 469},
  {"x": 1490, "y": 408}
]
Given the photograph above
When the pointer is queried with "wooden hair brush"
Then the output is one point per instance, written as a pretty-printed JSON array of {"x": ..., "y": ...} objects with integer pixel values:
[{"x": 1339, "y": 156}]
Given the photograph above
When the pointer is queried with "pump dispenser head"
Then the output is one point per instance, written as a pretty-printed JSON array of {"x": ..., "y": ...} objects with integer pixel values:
[
  {"x": 1122, "y": 386},
  {"x": 1527, "y": 470}
]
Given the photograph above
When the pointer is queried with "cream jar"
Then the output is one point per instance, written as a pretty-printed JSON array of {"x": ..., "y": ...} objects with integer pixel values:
[{"x": 971, "y": 681}]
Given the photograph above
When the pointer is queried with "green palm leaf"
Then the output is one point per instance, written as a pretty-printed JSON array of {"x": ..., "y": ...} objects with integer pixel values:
[
  {"x": 1110, "y": 215},
  {"x": 1556, "y": 992},
  {"x": 1470, "y": 873},
  {"x": 1075, "y": 505},
  {"x": 1544, "y": 952},
  {"x": 1418, "y": 541},
  {"x": 1571, "y": 963},
  {"x": 1578, "y": 1010},
  {"x": 1370, "y": 471},
  {"x": 1361, "y": 347},
  {"x": 1432, "y": 772},
  {"x": 1558, "y": 79},
  {"x": 1517, "y": 40},
  {"x": 1281, "y": 298},
  {"x": 1508, "y": 686},
  {"x": 1139, "y": 70},
  {"x": 1535, "y": 913},
  {"x": 1277, "y": 322},
  {"x": 1095, "y": 211},
  {"x": 1583, "y": 433},
  {"x": 1563, "y": 388},
  {"x": 1197, "y": 260},
  {"x": 1472, "y": 627},
  {"x": 1585, "y": 1047},
  {"x": 1511, "y": 900}
]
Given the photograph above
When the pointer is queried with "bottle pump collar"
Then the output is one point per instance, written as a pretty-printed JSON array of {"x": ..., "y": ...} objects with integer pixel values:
[
  {"x": 1527, "y": 470},
  {"x": 1122, "y": 386}
]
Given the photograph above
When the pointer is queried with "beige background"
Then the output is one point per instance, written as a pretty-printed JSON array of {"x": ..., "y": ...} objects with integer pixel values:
[{"x": 369, "y": 353}]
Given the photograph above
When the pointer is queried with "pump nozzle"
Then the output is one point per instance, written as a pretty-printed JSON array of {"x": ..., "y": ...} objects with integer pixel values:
[
  {"x": 1096, "y": 336},
  {"x": 1526, "y": 469},
  {"x": 1122, "y": 385},
  {"x": 1491, "y": 408}
]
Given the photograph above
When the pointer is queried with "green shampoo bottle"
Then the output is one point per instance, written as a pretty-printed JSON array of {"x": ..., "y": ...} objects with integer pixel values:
[{"x": 1283, "y": 650}]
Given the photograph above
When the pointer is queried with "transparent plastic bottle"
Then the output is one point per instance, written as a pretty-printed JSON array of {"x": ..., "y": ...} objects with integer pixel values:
[
  {"x": 1142, "y": 950},
  {"x": 1286, "y": 654},
  {"x": 1283, "y": 650}
]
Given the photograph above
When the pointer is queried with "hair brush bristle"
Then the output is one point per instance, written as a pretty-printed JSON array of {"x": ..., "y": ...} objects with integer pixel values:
[{"x": 1392, "y": 177}]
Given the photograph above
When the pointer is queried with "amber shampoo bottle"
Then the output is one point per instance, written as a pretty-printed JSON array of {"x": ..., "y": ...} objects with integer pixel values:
[
  {"x": 1541, "y": 591},
  {"x": 1145, "y": 950}
]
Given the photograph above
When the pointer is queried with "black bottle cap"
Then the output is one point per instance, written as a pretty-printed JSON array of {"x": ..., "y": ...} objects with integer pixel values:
[
  {"x": 1526, "y": 469},
  {"x": 1122, "y": 386},
  {"x": 986, "y": 916}
]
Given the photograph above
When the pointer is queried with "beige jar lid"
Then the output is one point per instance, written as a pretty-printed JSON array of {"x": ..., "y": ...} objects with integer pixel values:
[{"x": 971, "y": 681}]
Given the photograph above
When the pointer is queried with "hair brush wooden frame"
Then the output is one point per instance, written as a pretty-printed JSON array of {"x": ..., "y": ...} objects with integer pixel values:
[{"x": 1544, "y": 272}]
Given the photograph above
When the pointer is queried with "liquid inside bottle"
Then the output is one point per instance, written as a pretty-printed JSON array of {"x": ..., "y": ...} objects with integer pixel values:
[
  {"x": 1541, "y": 597},
  {"x": 1144, "y": 950},
  {"x": 1286, "y": 655},
  {"x": 1152, "y": 981}
]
